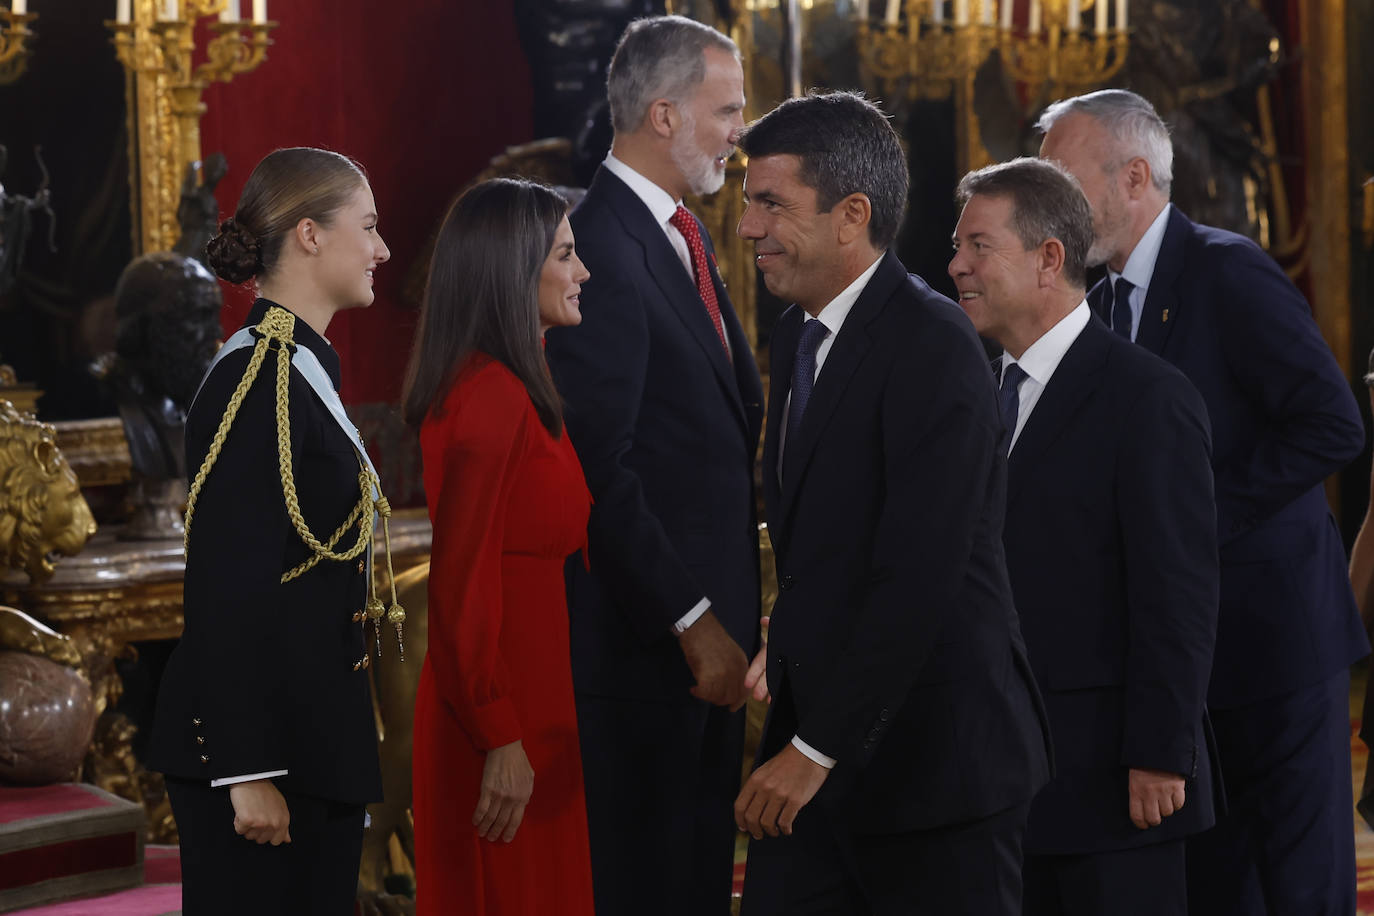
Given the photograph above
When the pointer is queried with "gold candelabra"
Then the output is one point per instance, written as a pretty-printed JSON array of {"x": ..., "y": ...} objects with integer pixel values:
[
  {"x": 933, "y": 49},
  {"x": 14, "y": 36},
  {"x": 155, "y": 40}
]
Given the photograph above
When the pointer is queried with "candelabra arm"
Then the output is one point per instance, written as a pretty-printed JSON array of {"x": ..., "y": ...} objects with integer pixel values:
[{"x": 14, "y": 37}]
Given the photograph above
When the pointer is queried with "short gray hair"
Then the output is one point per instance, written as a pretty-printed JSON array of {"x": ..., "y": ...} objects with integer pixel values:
[
  {"x": 1046, "y": 203},
  {"x": 659, "y": 57},
  {"x": 1135, "y": 127}
]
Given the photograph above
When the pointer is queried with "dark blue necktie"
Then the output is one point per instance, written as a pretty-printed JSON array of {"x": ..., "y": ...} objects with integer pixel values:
[
  {"x": 804, "y": 374},
  {"x": 1010, "y": 398},
  {"x": 1121, "y": 306}
]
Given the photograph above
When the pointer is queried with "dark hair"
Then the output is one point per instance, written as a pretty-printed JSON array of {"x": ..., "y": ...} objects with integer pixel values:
[
  {"x": 483, "y": 295},
  {"x": 846, "y": 146},
  {"x": 287, "y": 186},
  {"x": 1046, "y": 203},
  {"x": 658, "y": 57}
]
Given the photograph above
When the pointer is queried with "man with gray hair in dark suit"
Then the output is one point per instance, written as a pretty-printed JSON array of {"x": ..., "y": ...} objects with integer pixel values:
[{"x": 664, "y": 406}]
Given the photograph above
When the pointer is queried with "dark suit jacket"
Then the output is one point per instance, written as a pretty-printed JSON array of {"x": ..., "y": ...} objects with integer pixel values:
[
  {"x": 1111, "y": 546},
  {"x": 666, "y": 426},
  {"x": 263, "y": 676},
  {"x": 1283, "y": 420},
  {"x": 894, "y": 645}
]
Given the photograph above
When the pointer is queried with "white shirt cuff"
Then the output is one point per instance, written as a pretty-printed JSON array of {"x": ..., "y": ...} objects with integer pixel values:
[
  {"x": 812, "y": 754},
  {"x": 692, "y": 616},
  {"x": 230, "y": 780}
]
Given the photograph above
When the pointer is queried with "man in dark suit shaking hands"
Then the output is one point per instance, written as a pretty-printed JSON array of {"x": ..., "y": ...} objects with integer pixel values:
[
  {"x": 1283, "y": 420},
  {"x": 1111, "y": 546},
  {"x": 664, "y": 406},
  {"x": 905, "y": 737}
]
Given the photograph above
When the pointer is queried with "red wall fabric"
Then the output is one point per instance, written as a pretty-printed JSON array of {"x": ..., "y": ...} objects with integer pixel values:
[{"x": 423, "y": 94}]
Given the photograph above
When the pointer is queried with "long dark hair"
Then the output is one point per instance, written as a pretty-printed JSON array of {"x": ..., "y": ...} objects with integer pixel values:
[{"x": 483, "y": 295}]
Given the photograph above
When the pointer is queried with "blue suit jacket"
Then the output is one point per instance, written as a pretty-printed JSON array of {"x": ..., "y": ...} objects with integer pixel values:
[
  {"x": 1111, "y": 547},
  {"x": 666, "y": 426},
  {"x": 1283, "y": 420},
  {"x": 894, "y": 645}
]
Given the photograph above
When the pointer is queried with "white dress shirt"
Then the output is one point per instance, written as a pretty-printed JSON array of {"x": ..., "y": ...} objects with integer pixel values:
[
  {"x": 661, "y": 207},
  {"x": 832, "y": 316},
  {"x": 1040, "y": 360},
  {"x": 1140, "y": 266}
]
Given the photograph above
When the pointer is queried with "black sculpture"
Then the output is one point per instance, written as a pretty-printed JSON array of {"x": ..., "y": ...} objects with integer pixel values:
[
  {"x": 167, "y": 307},
  {"x": 198, "y": 212},
  {"x": 16, "y": 222}
]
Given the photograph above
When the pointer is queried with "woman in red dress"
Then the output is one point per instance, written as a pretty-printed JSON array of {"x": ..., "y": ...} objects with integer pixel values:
[{"x": 500, "y": 818}]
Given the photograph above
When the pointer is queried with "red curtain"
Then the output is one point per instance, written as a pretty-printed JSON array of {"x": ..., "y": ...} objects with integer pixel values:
[{"x": 423, "y": 94}]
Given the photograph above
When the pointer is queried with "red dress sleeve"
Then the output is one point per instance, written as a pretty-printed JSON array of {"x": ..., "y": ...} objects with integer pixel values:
[{"x": 476, "y": 448}]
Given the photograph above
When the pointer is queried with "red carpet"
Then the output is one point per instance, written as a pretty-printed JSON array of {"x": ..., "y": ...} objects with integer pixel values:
[{"x": 160, "y": 893}]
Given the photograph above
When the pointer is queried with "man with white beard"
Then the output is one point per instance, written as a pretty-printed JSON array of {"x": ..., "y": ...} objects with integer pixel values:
[{"x": 664, "y": 406}]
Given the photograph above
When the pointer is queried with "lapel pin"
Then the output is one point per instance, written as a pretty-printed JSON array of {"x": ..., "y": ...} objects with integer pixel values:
[{"x": 1165, "y": 316}]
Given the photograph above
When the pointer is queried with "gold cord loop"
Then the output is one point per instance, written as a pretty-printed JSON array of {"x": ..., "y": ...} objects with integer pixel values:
[{"x": 278, "y": 325}]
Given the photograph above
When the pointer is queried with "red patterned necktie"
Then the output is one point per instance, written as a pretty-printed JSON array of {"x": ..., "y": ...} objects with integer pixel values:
[{"x": 684, "y": 222}]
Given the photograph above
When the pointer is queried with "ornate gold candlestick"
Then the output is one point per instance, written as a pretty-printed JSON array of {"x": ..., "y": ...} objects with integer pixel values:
[
  {"x": 932, "y": 49},
  {"x": 14, "y": 36},
  {"x": 164, "y": 88},
  {"x": 1065, "y": 56}
]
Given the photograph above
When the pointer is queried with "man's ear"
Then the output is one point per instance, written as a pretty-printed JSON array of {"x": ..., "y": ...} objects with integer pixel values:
[
  {"x": 663, "y": 118},
  {"x": 855, "y": 213},
  {"x": 1050, "y": 264},
  {"x": 1138, "y": 177}
]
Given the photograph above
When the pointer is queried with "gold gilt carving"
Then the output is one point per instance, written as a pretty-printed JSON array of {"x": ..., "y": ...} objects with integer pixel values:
[
  {"x": 96, "y": 450},
  {"x": 163, "y": 96},
  {"x": 23, "y": 397},
  {"x": 14, "y": 36},
  {"x": 21, "y": 633},
  {"x": 42, "y": 511}
]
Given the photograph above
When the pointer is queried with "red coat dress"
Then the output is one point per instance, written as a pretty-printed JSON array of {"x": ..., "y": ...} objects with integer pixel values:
[{"x": 509, "y": 505}]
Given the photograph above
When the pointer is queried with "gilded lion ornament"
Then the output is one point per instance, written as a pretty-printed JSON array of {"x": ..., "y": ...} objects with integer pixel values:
[{"x": 42, "y": 512}]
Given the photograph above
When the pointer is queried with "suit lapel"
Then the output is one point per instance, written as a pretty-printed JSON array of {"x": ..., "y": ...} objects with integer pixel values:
[
  {"x": 846, "y": 354},
  {"x": 783, "y": 354},
  {"x": 675, "y": 283},
  {"x": 1097, "y": 300},
  {"x": 1162, "y": 303},
  {"x": 1073, "y": 382}
]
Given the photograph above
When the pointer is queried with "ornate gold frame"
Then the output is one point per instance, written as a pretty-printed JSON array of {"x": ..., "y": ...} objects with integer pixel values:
[{"x": 1328, "y": 164}]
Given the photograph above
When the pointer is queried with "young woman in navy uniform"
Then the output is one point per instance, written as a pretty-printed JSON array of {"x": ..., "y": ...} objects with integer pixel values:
[{"x": 264, "y": 723}]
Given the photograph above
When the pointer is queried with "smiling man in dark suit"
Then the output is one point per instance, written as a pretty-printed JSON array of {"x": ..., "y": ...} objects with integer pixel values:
[
  {"x": 1283, "y": 420},
  {"x": 1111, "y": 547},
  {"x": 905, "y": 737},
  {"x": 664, "y": 405}
]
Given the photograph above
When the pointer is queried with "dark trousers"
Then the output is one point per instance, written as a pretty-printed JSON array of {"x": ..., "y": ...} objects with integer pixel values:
[
  {"x": 1286, "y": 844},
  {"x": 968, "y": 869},
  {"x": 1145, "y": 881},
  {"x": 222, "y": 873},
  {"x": 661, "y": 779}
]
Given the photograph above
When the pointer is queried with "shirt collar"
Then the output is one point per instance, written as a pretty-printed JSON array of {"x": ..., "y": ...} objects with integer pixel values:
[
  {"x": 1043, "y": 357},
  {"x": 1140, "y": 266},
  {"x": 837, "y": 309},
  {"x": 304, "y": 336},
  {"x": 660, "y": 203}
]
